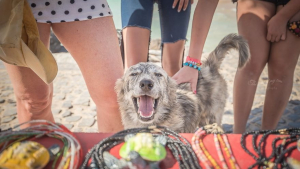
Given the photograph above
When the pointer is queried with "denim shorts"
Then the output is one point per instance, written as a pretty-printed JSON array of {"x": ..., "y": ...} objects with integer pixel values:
[{"x": 173, "y": 24}]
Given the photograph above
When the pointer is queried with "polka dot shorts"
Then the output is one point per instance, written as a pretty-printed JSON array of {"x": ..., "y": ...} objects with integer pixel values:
[{"x": 56, "y": 11}]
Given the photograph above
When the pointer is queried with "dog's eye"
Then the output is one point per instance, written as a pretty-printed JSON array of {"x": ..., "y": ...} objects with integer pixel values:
[
  {"x": 158, "y": 74},
  {"x": 133, "y": 74}
]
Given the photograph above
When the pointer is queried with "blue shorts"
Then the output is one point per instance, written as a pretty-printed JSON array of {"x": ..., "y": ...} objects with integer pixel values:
[{"x": 174, "y": 25}]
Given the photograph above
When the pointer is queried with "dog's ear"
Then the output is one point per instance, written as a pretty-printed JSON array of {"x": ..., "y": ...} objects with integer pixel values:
[
  {"x": 120, "y": 87},
  {"x": 171, "y": 87}
]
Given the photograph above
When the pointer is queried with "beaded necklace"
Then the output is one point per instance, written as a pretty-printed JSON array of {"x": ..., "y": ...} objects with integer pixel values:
[
  {"x": 224, "y": 142},
  {"x": 277, "y": 152},
  {"x": 217, "y": 140},
  {"x": 70, "y": 153},
  {"x": 196, "y": 141},
  {"x": 179, "y": 146},
  {"x": 204, "y": 155}
]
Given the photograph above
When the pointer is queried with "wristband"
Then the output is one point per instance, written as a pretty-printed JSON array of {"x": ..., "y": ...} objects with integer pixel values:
[{"x": 193, "y": 63}]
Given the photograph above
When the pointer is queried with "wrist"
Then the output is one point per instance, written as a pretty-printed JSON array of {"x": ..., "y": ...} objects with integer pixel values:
[
  {"x": 283, "y": 17},
  {"x": 193, "y": 53}
]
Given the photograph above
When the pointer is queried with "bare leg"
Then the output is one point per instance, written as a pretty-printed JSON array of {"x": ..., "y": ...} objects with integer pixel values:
[
  {"x": 136, "y": 45},
  {"x": 172, "y": 57},
  {"x": 33, "y": 96},
  {"x": 281, "y": 66},
  {"x": 253, "y": 17},
  {"x": 94, "y": 46}
]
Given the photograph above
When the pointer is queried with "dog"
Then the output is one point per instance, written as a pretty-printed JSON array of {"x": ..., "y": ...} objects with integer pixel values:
[{"x": 148, "y": 96}]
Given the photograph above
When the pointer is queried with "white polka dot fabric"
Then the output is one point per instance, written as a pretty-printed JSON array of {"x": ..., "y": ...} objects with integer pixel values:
[{"x": 56, "y": 11}]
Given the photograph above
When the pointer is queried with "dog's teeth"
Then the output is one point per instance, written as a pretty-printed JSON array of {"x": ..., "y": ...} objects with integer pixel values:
[{"x": 141, "y": 115}]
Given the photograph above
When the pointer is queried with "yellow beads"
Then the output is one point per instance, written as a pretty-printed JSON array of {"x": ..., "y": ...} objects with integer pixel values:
[{"x": 25, "y": 155}]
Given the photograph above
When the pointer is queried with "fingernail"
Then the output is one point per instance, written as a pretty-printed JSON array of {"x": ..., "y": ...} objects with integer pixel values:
[
  {"x": 178, "y": 10},
  {"x": 184, "y": 9},
  {"x": 195, "y": 92},
  {"x": 173, "y": 7}
]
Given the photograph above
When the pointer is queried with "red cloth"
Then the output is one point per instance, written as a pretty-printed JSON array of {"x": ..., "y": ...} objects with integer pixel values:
[{"x": 88, "y": 140}]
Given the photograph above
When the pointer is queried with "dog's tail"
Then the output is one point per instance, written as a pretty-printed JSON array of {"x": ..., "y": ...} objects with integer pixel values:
[{"x": 233, "y": 40}]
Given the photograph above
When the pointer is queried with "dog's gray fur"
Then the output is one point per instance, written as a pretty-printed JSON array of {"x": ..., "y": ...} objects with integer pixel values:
[{"x": 178, "y": 108}]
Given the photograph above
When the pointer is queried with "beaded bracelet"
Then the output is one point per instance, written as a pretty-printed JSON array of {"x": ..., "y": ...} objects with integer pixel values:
[
  {"x": 193, "y": 60},
  {"x": 193, "y": 63}
]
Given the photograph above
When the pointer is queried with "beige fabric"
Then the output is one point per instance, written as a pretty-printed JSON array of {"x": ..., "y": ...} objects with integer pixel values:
[{"x": 19, "y": 40}]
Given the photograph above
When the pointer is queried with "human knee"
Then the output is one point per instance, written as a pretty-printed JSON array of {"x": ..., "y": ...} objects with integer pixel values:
[
  {"x": 280, "y": 71},
  {"x": 252, "y": 70},
  {"x": 34, "y": 102},
  {"x": 106, "y": 99},
  {"x": 280, "y": 74}
]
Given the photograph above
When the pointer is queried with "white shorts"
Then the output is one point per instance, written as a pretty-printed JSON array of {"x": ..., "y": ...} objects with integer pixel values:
[{"x": 56, "y": 11}]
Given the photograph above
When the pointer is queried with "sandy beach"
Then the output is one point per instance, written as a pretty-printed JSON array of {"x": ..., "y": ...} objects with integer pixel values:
[{"x": 73, "y": 107}]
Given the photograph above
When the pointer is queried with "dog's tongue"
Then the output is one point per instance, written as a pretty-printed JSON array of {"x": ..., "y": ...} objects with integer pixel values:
[{"x": 146, "y": 106}]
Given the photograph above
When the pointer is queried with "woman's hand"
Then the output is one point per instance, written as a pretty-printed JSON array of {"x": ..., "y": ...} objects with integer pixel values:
[
  {"x": 182, "y": 4},
  {"x": 277, "y": 28},
  {"x": 187, "y": 75}
]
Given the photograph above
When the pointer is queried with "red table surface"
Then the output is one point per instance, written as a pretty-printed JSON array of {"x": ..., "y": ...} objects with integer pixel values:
[{"x": 88, "y": 140}]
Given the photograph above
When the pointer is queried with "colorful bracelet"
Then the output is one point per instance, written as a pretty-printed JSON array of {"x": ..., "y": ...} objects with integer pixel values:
[
  {"x": 193, "y": 63},
  {"x": 193, "y": 60}
]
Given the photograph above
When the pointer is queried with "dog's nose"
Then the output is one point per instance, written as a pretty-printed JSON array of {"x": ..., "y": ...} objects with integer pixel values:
[{"x": 146, "y": 85}]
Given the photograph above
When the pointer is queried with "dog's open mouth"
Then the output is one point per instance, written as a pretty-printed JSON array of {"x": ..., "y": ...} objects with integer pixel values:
[{"x": 145, "y": 107}]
